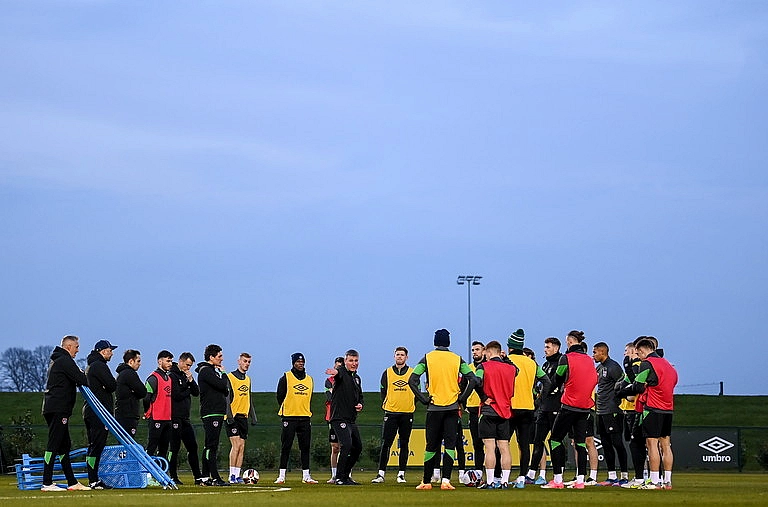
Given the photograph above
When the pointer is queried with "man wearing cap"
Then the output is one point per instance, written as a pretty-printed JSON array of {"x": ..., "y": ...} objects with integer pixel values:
[
  {"x": 157, "y": 405},
  {"x": 60, "y": 395},
  {"x": 443, "y": 399},
  {"x": 130, "y": 390},
  {"x": 521, "y": 423},
  {"x": 399, "y": 405},
  {"x": 294, "y": 394},
  {"x": 102, "y": 384}
]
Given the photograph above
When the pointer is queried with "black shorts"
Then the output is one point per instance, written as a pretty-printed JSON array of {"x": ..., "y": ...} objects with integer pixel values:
[
  {"x": 493, "y": 426},
  {"x": 238, "y": 428},
  {"x": 332, "y": 438},
  {"x": 590, "y": 426},
  {"x": 656, "y": 424},
  {"x": 610, "y": 423}
]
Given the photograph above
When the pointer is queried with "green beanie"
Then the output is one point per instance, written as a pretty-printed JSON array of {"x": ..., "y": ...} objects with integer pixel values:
[{"x": 516, "y": 340}]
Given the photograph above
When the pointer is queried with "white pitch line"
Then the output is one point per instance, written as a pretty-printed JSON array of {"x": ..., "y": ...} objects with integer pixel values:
[{"x": 257, "y": 489}]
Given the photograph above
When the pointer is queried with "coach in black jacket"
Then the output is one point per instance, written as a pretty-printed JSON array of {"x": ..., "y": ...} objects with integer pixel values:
[
  {"x": 102, "y": 384},
  {"x": 130, "y": 391},
  {"x": 183, "y": 387},
  {"x": 214, "y": 387},
  {"x": 60, "y": 394},
  {"x": 346, "y": 402}
]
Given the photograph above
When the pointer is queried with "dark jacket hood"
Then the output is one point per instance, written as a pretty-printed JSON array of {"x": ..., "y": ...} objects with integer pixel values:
[
  {"x": 95, "y": 356},
  {"x": 122, "y": 367},
  {"x": 58, "y": 353},
  {"x": 201, "y": 365}
]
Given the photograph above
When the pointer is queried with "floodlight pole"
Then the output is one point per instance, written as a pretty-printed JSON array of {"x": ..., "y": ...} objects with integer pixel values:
[{"x": 469, "y": 281}]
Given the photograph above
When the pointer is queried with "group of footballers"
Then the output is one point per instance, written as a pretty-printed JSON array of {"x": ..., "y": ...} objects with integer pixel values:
[
  {"x": 504, "y": 391},
  {"x": 507, "y": 393}
]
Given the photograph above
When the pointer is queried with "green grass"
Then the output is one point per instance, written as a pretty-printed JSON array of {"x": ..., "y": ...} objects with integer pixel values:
[{"x": 697, "y": 489}]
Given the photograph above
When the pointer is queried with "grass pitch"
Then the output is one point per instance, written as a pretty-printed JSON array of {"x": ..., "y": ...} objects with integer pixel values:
[{"x": 697, "y": 489}]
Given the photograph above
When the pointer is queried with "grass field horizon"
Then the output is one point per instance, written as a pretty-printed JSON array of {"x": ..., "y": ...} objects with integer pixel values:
[{"x": 689, "y": 488}]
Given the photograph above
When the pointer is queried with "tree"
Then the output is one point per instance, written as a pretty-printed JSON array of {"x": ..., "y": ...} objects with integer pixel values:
[
  {"x": 23, "y": 370},
  {"x": 38, "y": 371}
]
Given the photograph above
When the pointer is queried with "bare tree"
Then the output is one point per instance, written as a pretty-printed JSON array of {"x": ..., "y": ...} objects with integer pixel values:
[
  {"x": 13, "y": 368},
  {"x": 38, "y": 369}
]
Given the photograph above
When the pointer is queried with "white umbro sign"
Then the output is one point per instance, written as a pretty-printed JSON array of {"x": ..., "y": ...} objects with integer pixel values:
[{"x": 716, "y": 445}]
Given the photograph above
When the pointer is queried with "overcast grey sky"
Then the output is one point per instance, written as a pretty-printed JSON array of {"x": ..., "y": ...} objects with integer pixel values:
[{"x": 312, "y": 176}]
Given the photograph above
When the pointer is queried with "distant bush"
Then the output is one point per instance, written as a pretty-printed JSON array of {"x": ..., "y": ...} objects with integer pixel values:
[
  {"x": 321, "y": 452},
  {"x": 20, "y": 439},
  {"x": 762, "y": 455}
]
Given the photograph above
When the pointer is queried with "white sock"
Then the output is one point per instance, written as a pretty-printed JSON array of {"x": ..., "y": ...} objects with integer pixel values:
[
  {"x": 436, "y": 472},
  {"x": 580, "y": 479},
  {"x": 306, "y": 473},
  {"x": 489, "y": 475},
  {"x": 461, "y": 472},
  {"x": 655, "y": 477},
  {"x": 382, "y": 472},
  {"x": 668, "y": 476},
  {"x": 401, "y": 473},
  {"x": 333, "y": 472},
  {"x": 505, "y": 475},
  {"x": 236, "y": 472},
  {"x": 231, "y": 470},
  {"x": 543, "y": 473},
  {"x": 281, "y": 474},
  {"x": 531, "y": 474},
  {"x": 446, "y": 480},
  {"x": 520, "y": 478},
  {"x": 625, "y": 475},
  {"x": 612, "y": 475},
  {"x": 558, "y": 478},
  {"x": 593, "y": 475}
]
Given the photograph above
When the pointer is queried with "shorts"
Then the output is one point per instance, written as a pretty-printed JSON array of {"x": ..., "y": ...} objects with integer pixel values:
[
  {"x": 610, "y": 423},
  {"x": 332, "y": 438},
  {"x": 590, "y": 426},
  {"x": 493, "y": 426},
  {"x": 656, "y": 424},
  {"x": 238, "y": 427}
]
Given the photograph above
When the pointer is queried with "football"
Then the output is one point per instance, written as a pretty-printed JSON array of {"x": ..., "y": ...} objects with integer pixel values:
[
  {"x": 472, "y": 478},
  {"x": 251, "y": 476}
]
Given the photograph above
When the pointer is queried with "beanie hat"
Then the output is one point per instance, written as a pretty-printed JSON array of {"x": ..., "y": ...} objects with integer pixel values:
[
  {"x": 298, "y": 356},
  {"x": 442, "y": 338},
  {"x": 516, "y": 340}
]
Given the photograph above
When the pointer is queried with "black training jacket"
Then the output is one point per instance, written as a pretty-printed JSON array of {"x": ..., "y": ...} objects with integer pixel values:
[
  {"x": 101, "y": 382},
  {"x": 61, "y": 387},
  {"x": 182, "y": 391},
  {"x": 214, "y": 387},
  {"x": 130, "y": 391}
]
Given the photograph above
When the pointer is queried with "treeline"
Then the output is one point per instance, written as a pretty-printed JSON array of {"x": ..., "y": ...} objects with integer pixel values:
[{"x": 24, "y": 370}]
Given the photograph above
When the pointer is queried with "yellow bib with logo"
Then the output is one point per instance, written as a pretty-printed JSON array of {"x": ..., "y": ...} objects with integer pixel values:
[
  {"x": 241, "y": 394},
  {"x": 399, "y": 398},
  {"x": 296, "y": 403}
]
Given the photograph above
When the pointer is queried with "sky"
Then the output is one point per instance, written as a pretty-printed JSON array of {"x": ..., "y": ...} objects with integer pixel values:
[{"x": 312, "y": 176}]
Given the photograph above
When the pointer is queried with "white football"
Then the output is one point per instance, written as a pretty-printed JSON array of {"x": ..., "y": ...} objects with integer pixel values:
[{"x": 251, "y": 476}]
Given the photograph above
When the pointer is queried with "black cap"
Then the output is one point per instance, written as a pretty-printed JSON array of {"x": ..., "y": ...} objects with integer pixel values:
[
  {"x": 103, "y": 344},
  {"x": 298, "y": 356}
]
